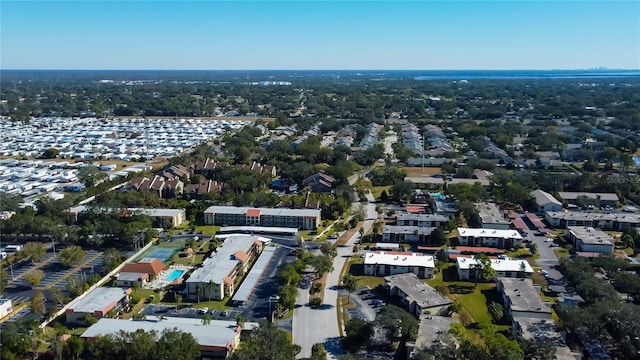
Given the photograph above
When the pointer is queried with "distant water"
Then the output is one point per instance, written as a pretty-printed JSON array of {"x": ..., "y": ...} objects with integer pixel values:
[
  {"x": 526, "y": 74},
  {"x": 637, "y": 160}
]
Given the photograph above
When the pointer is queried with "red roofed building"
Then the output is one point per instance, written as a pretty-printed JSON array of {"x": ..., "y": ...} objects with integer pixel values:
[{"x": 151, "y": 266}]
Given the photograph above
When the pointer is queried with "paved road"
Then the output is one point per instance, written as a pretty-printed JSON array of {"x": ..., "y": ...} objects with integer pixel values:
[
  {"x": 391, "y": 139},
  {"x": 548, "y": 259},
  {"x": 312, "y": 326}
]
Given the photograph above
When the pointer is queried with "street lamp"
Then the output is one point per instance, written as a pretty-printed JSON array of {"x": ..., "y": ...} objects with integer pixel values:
[{"x": 271, "y": 299}]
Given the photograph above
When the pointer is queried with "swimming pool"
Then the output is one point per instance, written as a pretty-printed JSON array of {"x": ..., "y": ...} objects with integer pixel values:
[{"x": 175, "y": 274}]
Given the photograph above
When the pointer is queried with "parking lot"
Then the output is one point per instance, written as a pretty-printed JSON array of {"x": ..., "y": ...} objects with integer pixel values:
[
  {"x": 55, "y": 275},
  {"x": 189, "y": 312},
  {"x": 367, "y": 303}
]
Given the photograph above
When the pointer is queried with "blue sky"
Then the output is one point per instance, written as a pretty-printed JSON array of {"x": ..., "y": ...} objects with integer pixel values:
[{"x": 421, "y": 35}]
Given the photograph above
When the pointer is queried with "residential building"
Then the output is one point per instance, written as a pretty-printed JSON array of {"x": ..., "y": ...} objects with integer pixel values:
[
  {"x": 491, "y": 217},
  {"x": 417, "y": 297},
  {"x": 507, "y": 268},
  {"x": 608, "y": 221},
  {"x": 305, "y": 219},
  {"x": 216, "y": 278},
  {"x": 406, "y": 234},
  {"x": 588, "y": 239},
  {"x": 172, "y": 217},
  {"x": 545, "y": 331},
  {"x": 96, "y": 303},
  {"x": 5, "y": 307},
  {"x": 151, "y": 266},
  {"x": 430, "y": 333},
  {"x": 421, "y": 220},
  {"x": 161, "y": 217},
  {"x": 545, "y": 202},
  {"x": 164, "y": 187},
  {"x": 489, "y": 237},
  {"x": 319, "y": 182},
  {"x": 385, "y": 263},
  {"x": 603, "y": 199},
  {"x": 218, "y": 339},
  {"x": 521, "y": 298},
  {"x": 203, "y": 188},
  {"x": 129, "y": 279}
]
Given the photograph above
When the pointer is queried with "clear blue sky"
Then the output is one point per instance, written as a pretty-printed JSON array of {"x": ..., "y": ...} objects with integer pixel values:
[{"x": 421, "y": 35}]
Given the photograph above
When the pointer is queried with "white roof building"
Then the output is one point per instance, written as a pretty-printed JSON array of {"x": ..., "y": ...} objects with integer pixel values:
[
  {"x": 509, "y": 268},
  {"x": 385, "y": 263}
]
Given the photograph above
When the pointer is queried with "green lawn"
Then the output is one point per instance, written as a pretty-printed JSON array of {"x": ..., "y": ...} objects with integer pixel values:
[
  {"x": 561, "y": 253},
  {"x": 218, "y": 305},
  {"x": 475, "y": 302},
  {"x": 377, "y": 190},
  {"x": 145, "y": 294}
]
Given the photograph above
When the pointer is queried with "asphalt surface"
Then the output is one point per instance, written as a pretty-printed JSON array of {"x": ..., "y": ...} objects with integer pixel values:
[
  {"x": 312, "y": 326},
  {"x": 548, "y": 259}
]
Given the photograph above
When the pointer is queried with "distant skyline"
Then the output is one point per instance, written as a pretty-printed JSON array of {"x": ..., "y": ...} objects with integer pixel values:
[{"x": 300, "y": 35}]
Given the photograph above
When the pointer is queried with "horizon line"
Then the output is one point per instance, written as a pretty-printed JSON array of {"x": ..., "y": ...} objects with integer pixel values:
[{"x": 353, "y": 69}]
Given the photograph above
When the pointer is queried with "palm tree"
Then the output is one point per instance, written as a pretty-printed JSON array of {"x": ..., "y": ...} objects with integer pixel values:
[
  {"x": 210, "y": 286},
  {"x": 162, "y": 317},
  {"x": 496, "y": 311},
  {"x": 178, "y": 300},
  {"x": 206, "y": 319},
  {"x": 350, "y": 283},
  {"x": 199, "y": 291}
]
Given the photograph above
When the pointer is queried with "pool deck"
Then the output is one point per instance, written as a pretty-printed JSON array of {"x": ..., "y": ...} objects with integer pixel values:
[{"x": 161, "y": 282}]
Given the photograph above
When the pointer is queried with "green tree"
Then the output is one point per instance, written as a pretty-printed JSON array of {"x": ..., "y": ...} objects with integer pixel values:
[
  {"x": 206, "y": 319},
  {"x": 397, "y": 321},
  {"x": 482, "y": 268},
  {"x": 288, "y": 295},
  {"x": 538, "y": 350},
  {"x": 50, "y": 153},
  {"x": 266, "y": 342},
  {"x": 91, "y": 176},
  {"x": 318, "y": 352},
  {"x": 4, "y": 279},
  {"x": 358, "y": 333},
  {"x": 458, "y": 331},
  {"x": 322, "y": 263},
  {"x": 240, "y": 320},
  {"x": 329, "y": 249},
  {"x": 402, "y": 191},
  {"x": 178, "y": 300},
  {"x": 73, "y": 347},
  {"x": 112, "y": 259},
  {"x": 38, "y": 305},
  {"x": 34, "y": 251},
  {"x": 10, "y": 202},
  {"x": 350, "y": 283},
  {"x": 71, "y": 255},
  {"x": 34, "y": 277},
  {"x": 199, "y": 291},
  {"x": 496, "y": 311}
]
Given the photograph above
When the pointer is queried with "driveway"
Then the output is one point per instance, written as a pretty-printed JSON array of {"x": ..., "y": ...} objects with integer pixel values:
[{"x": 312, "y": 326}]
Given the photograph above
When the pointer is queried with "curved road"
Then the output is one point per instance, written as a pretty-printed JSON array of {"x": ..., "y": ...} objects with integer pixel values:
[{"x": 312, "y": 326}]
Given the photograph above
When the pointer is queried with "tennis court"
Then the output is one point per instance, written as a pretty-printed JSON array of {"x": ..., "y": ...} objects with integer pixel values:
[{"x": 161, "y": 254}]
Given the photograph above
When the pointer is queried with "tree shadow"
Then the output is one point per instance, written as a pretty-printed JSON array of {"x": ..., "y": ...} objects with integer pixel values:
[
  {"x": 356, "y": 269},
  {"x": 450, "y": 274}
]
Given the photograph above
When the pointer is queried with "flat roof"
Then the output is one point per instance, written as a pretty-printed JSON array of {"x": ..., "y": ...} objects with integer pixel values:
[
  {"x": 574, "y": 195},
  {"x": 158, "y": 212},
  {"x": 98, "y": 299},
  {"x": 217, "y": 333},
  {"x": 590, "y": 236},
  {"x": 490, "y": 233},
  {"x": 255, "y": 274},
  {"x": 544, "y": 330},
  {"x": 264, "y": 211},
  {"x": 396, "y": 259},
  {"x": 221, "y": 263},
  {"x": 431, "y": 328},
  {"x": 502, "y": 265},
  {"x": 489, "y": 213},
  {"x": 416, "y": 290},
  {"x": 422, "y": 217},
  {"x": 523, "y": 296},
  {"x": 589, "y": 216},
  {"x": 130, "y": 276},
  {"x": 258, "y": 229},
  {"x": 407, "y": 230}
]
